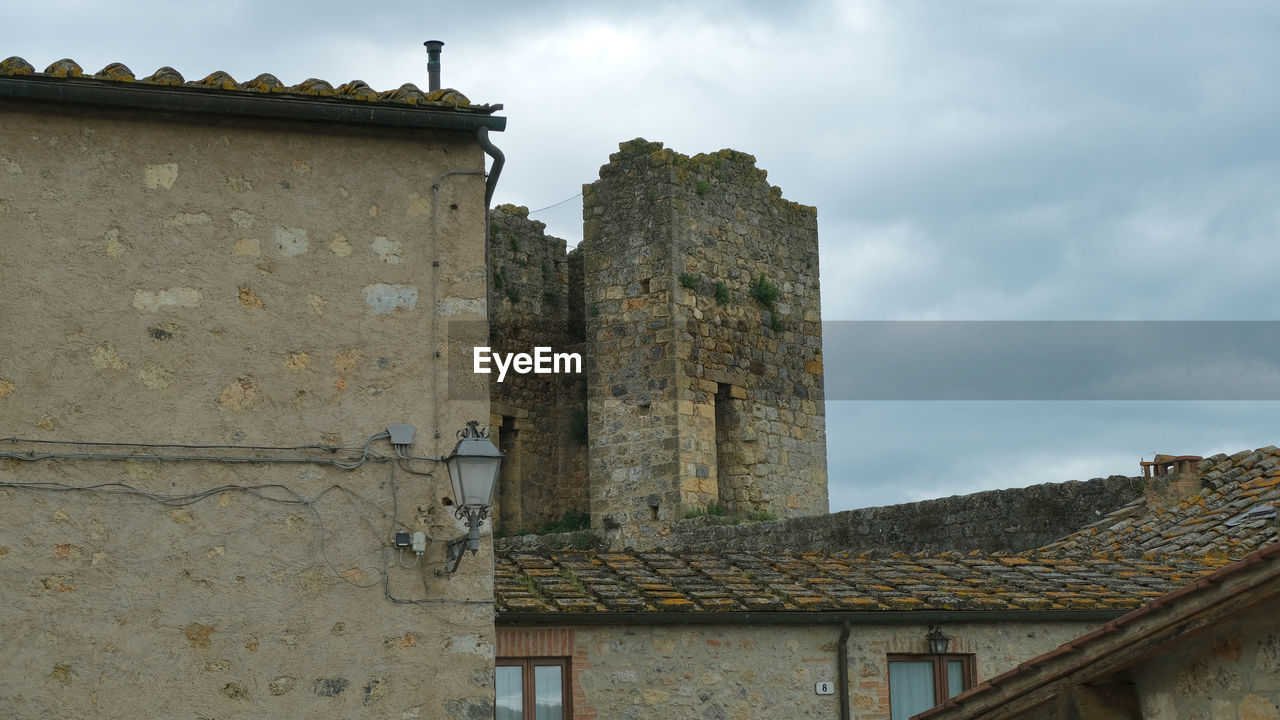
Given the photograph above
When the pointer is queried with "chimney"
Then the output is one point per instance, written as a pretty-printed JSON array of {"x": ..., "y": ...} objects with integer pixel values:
[
  {"x": 1168, "y": 479},
  {"x": 433, "y": 64}
]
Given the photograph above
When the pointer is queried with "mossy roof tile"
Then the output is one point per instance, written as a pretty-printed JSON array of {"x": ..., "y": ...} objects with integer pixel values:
[
  {"x": 219, "y": 81},
  {"x": 762, "y": 581}
]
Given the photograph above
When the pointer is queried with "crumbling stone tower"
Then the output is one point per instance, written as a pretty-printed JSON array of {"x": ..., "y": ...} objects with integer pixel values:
[
  {"x": 703, "y": 340},
  {"x": 538, "y": 421}
]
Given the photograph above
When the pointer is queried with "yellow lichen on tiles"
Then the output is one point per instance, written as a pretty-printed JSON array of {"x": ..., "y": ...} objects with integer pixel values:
[
  {"x": 117, "y": 72},
  {"x": 218, "y": 80},
  {"x": 65, "y": 67},
  {"x": 13, "y": 66},
  {"x": 264, "y": 83}
]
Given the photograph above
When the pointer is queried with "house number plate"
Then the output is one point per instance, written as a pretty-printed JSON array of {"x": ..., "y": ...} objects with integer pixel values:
[{"x": 825, "y": 688}]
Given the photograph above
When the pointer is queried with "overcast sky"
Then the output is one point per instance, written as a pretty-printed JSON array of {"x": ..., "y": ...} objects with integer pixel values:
[{"x": 1014, "y": 160}]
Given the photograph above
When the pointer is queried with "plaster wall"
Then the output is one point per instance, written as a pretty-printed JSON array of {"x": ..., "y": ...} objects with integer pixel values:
[
  {"x": 1229, "y": 673},
  {"x": 178, "y": 283}
]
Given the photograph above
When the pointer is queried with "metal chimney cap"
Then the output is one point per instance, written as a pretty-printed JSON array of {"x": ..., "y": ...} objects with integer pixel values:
[{"x": 434, "y": 44}]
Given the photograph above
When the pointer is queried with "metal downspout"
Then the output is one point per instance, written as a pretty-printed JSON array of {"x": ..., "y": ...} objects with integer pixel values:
[
  {"x": 482, "y": 135},
  {"x": 842, "y": 671},
  {"x": 490, "y": 184}
]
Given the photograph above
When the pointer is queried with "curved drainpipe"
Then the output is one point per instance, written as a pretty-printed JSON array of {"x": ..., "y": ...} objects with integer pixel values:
[
  {"x": 490, "y": 184},
  {"x": 842, "y": 670},
  {"x": 482, "y": 135}
]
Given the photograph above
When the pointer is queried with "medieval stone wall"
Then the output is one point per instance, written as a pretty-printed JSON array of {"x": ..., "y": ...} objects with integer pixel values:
[
  {"x": 538, "y": 420},
  {"x": 995, "y": 520},
  {"x": 694, "y": 302},
  {"x": 703, "y": 326}
]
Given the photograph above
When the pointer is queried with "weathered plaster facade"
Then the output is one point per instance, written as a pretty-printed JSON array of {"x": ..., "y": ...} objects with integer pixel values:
[
  {"x": 721, "y": 671},
  {"x": 175, "y": 281},
  {"x": 1231, "y": 672}
]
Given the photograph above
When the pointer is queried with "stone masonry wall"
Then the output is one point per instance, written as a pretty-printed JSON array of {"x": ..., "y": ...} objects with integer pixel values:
[
  {"x": 634, "y": 444},
  {"x": 757, "y": 670},
  {"x": 703, "y": 327},
  {"x": 539, "y": 420},
  {"x": 991, "y": 521},
  {"x": 211, "y": 289},
  {"x": 1011, "y": 520}
]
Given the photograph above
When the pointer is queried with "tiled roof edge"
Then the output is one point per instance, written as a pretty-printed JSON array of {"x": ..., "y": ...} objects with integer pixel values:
[
  {"x": 263, "y": 96},
  {"x": 804, "y": 617}
]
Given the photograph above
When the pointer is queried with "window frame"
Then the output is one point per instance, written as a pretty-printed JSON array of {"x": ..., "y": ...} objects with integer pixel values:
[
  {"x": 528, "y": 690},
  {"x": 968, "y": 671}
]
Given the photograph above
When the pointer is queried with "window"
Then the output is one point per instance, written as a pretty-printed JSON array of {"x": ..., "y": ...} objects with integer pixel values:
[
  {"x": 532, "y": 689},
  {"x": 918, "y": 682}
]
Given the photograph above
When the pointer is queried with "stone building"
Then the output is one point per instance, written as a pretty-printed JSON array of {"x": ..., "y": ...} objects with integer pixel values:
[
  {"x": 1209, "y": 650},
  {"x": 724, "y": 631},
  {"x": 217, "y": 297},
  {"x": 694, "y": 299}
]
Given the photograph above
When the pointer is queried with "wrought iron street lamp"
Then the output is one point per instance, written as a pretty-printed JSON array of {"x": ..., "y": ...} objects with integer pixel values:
[{"x": 473, "y": 471}]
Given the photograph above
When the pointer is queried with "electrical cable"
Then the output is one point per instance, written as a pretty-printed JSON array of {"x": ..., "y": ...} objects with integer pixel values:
[
  {"x": 575, "y": 195},
  {"x": 366, "y": 453},
  {"x": 264, "y": 491}
]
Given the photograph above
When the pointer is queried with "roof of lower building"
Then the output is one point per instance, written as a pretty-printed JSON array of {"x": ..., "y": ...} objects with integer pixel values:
[
  {"x": 1230, "y": 515},
  {"x": 1131, "y": 556},
  {"x": 655, "y": 582},
  {"x": 1248, "y": 586}
]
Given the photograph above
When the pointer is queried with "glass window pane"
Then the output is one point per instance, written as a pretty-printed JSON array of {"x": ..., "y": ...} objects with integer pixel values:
[
  {"x": 910, "y": 688},
  {"x": 549, "y": 692},
  {"x": 955, "y": 678},
  {"x": 509, "y": 691}
]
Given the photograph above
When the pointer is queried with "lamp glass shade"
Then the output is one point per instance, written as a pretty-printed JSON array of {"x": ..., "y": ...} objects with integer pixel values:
[
  {"x": 473, "y": 470},
  {"x": 939, "y": 642}
]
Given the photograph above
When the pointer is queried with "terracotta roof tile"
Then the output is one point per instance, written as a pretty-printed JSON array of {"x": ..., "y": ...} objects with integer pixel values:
[
  {"x": 557, "y": 582},
  {"x": 1198, "y": 524},
  {"x": 355, "y": 90}
]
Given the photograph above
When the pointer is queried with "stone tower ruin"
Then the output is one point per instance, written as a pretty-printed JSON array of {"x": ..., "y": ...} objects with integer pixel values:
[{"x": 694, "y": 301}]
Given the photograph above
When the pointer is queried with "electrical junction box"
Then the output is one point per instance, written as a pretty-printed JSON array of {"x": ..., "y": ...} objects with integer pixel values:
[
  {"x": 402, "y": 539},
  {"x": 401, "y": 433},
  {"x": 419, "y": 542}
]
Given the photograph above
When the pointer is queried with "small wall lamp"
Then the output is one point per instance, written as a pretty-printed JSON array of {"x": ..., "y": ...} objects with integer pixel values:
[
  {"x": 939, "y": 642},
  {"x": 473, "y": 471}
]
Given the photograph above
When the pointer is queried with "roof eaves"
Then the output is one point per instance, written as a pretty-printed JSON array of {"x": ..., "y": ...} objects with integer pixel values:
[
  {"x": 802, "y": 617},
  {"x": 264, "y": 97}
]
